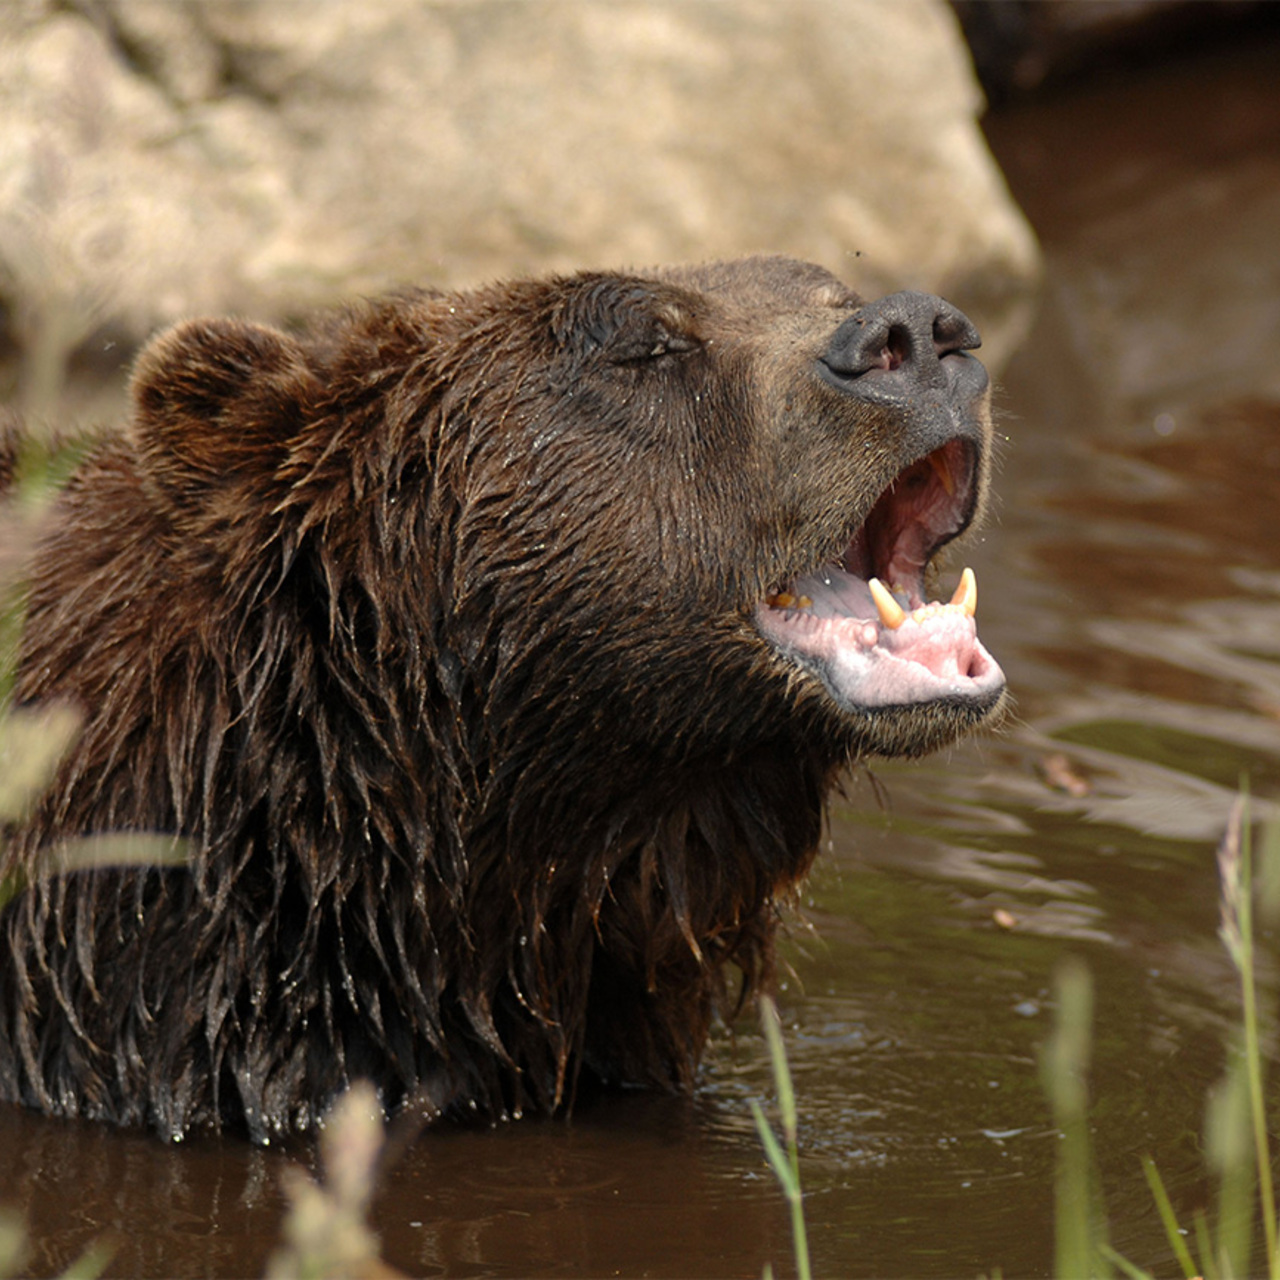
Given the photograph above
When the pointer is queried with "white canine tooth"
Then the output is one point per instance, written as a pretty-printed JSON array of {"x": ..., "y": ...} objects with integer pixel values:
[
  {"x": 966, "y": 595},
  {"x": 892, "y": 614}
]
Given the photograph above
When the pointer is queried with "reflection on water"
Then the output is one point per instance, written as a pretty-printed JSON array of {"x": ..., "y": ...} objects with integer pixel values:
[{"x": 1131, "y": 588}]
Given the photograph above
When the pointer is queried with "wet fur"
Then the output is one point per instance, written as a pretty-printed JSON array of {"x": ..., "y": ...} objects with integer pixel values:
[{"x": 430, "y": 630}]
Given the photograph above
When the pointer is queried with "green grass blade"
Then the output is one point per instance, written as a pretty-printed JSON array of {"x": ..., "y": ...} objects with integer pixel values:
[
  {"x": 92, "y": 1263},
  {"x": 1205, "y": 1246},
  {"x": 1170, "y": 1219},
  {"x": 1238, "y": 1122},
  {"x": 1064, "y": 1066},
  {"x": 13, "y": 1242},
  {"x": 1119, "y": 1260},
  {"x": 781, "y": 1072},
  {"x": 785, "y": 1164},
  {"x": 777, "y": 1158}
]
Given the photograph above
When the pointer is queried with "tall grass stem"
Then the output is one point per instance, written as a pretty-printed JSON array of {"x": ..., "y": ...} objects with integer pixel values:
[{"x": 785, "y": 1164}]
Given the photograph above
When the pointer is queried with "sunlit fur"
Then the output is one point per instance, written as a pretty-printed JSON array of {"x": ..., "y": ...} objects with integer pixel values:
[{"x": 431, "y": 630}]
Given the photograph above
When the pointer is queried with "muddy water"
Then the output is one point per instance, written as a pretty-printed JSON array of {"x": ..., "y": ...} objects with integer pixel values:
[{"x": 1131, "y": 587}]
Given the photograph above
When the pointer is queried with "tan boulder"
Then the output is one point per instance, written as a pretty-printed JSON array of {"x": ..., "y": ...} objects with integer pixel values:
[{"x": 158, "y": 160}]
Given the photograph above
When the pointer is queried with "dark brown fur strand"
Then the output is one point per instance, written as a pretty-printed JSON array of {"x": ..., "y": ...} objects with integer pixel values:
[{"x": 431, "y": 633}]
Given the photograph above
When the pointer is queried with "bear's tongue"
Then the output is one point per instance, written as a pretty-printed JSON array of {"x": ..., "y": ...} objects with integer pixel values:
[{"x": 872, "y": 648}]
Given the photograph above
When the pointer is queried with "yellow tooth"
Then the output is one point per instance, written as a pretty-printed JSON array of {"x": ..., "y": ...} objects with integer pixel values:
[
  {"x": 781, "y": 600},
  {"x": 804, "y": 602},
  {"x": 892, "y": 614},
  {"x": 966, "y": 595},
  {"x": 943, "y": 472}
]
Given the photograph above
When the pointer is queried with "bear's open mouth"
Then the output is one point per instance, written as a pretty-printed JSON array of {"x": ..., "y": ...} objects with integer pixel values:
[{"x": 861, "y": 622}]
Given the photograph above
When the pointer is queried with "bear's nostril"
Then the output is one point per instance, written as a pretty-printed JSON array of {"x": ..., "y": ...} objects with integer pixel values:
[
  {"x": 897, "y": 350},
  {"x": 905, "y": 330},
  {"x": 893, "y": 354},
  {"x": 953, "y": 331}
]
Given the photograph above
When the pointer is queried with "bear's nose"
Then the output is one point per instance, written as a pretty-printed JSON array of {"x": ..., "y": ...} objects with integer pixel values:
[{"x": 908, "y": 331}]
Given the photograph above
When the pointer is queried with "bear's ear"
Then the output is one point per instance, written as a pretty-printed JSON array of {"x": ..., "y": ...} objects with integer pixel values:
[
  {"x": 215, "y": 400},
  {"x": 625, "y": 320}
]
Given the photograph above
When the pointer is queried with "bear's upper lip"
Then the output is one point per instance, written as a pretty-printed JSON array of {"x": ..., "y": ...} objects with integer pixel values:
[{"x": 861, "y": 624}]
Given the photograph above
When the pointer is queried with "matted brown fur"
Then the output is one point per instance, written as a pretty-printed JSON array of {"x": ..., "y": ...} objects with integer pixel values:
[{"x": 432, "y": 631}]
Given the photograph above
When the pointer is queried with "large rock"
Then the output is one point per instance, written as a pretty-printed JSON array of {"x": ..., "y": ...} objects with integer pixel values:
[{"x": 159, "y": 159}]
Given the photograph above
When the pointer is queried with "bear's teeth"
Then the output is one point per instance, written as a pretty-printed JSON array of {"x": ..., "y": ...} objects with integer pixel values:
[
  {"x": 966, "y": 595},
  {"x": 785, "y": 600},
  {"x": 943, "y": 472},
  {"x": 893, "y": 615}
]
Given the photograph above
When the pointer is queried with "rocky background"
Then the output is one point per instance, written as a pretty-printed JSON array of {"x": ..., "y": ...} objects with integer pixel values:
[{"x": 265, "y": 157}]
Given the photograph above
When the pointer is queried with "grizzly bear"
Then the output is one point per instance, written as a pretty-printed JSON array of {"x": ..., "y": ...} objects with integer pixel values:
[{"x": 492, "y": 654}]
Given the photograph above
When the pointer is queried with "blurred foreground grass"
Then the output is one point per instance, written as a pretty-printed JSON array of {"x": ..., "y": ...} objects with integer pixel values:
[
  {"x": 1219, "y": 1245},
  {"x": 1237, "y": 1144}
]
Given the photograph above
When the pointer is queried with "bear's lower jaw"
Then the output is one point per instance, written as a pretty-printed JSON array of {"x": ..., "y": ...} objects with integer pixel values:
[
  {"x": 880, "y": 649},
  {"x": 871, "y": 654}
]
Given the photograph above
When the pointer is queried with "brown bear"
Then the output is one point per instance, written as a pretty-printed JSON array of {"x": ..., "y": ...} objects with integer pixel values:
[{"x": 493, "y": 654}]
